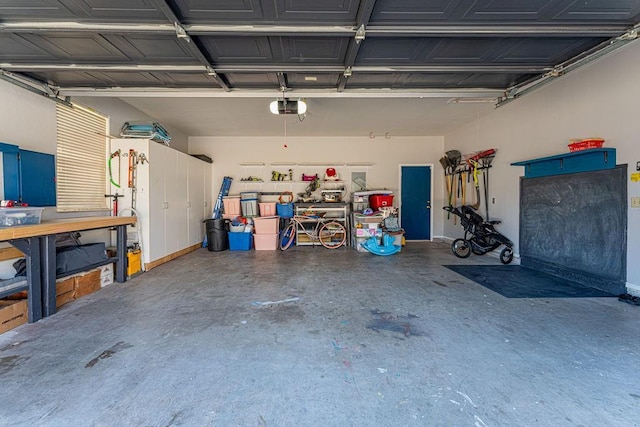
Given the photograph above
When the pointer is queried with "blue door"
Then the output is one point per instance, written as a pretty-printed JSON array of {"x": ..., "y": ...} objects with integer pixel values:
[{"x": 415, "y": 202}]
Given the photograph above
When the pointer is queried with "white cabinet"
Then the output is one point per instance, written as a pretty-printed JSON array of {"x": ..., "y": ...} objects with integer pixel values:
[{"x": 172, "y": 196}]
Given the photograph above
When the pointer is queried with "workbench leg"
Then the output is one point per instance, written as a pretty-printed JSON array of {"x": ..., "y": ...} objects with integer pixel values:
[
  {"x": 30, "y": 247},
  {"x": 121, "y": 249},
  {"x": 48, "y": 254}
]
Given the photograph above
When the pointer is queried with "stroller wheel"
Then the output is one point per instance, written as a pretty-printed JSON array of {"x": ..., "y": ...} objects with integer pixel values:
[
  {"x": 461, "y": 248},
  {"x": 506, "y": 256}
]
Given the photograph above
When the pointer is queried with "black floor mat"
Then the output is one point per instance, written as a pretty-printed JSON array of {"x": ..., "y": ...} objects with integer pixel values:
[{"x": 514, "y": 281}]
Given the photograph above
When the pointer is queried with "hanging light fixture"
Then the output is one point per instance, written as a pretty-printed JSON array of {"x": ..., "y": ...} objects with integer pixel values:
[{"x": 287, "y": 106}]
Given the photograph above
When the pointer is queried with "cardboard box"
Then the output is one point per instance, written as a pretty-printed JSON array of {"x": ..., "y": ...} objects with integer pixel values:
[
  {"x": 65, "y": 285},
  {"x": 87, "y": 283},
  {"x": 12, "y": 313},
  {"x": 65, "y": 298},
  {"x": 106, "y": 275}
]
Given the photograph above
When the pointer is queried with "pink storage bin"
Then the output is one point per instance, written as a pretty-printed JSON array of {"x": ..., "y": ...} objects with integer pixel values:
[
  {"x": 267, "y": 209},
  {"x": 266, "y": 224},
  {"x": 265, "y": 242},
  {"x": 231, "y": 205}
]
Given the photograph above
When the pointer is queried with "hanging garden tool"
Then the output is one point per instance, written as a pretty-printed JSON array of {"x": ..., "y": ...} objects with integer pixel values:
[
  {"x": 486, "y": 164},
  {"x": 131, "y": 177},
  {"x": 444, "y": 161},
  {"x": 453, "y": 160},
  {"x": 482, "y": 160},
  {"x": 474, "y": 166},
  {"x": 114, "y": 154}
]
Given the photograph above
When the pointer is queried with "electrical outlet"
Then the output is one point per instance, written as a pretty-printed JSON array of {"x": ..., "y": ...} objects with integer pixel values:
[{"x": 635, "y": 202}]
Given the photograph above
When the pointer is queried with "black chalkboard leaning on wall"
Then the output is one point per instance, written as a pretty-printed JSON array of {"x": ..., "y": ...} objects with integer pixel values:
[{"x": 575, "y": 226}]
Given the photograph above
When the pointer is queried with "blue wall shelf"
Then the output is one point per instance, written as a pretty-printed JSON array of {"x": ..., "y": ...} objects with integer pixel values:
[{"x": 579, "y": 161}]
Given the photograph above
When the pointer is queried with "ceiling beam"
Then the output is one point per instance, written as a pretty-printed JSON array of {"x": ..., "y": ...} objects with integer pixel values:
[
  {"x": 35, "y": 27},
  {"x": 271, "y": 93},
  {"x": 362, "y": 20},
  {"x": 281, "y": 68},
  {"x": 487, "y": 30},
  {"x": 182, "y": 34},
  {"x": 497, "y": 30}
]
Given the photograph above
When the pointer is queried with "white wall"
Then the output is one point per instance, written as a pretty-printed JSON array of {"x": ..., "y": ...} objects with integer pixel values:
[
  {"x": 385, "y": 154},
  {"x": 120, "y": 112},
  {"x": 26, "y": 119},
  {"x": 29, "y": 121},
  {"x": 598, "y": 100}
]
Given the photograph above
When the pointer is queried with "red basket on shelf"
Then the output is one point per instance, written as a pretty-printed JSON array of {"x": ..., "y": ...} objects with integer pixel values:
[{"x": 585, "y": 144}]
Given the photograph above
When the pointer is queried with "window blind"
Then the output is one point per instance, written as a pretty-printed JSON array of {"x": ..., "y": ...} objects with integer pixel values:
[{"x": 80, "y": 160}]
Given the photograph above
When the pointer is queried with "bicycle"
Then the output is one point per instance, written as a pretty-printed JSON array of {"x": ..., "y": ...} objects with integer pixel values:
[{"x": 330, "y": 234}]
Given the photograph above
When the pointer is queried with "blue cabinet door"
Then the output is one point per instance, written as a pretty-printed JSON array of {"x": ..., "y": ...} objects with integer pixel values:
[{"x": 37, "y": 178}]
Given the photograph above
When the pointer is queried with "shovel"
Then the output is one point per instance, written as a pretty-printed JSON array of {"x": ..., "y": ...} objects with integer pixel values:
[
  {"x": 446, "y": 165},
  {"x": 453, "y": 158},
  {"x": 474, "y": 165}
]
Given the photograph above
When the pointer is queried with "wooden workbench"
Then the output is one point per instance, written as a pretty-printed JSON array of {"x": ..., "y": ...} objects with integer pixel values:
[{"x": 38, "y": 243}]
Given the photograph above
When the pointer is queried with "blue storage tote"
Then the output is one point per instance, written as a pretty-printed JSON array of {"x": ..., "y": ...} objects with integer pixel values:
[{"x": 240, "y": 241}]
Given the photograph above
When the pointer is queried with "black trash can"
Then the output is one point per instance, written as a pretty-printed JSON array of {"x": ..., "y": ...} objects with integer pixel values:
[{"x": 217, "y": 238}]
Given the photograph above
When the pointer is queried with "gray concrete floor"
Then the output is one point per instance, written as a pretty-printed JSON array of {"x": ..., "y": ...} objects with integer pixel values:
[{"x": 371, "y": 341}]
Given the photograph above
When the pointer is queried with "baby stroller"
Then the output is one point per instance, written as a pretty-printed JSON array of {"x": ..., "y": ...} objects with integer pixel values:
[{"x": 480, "y": 236}]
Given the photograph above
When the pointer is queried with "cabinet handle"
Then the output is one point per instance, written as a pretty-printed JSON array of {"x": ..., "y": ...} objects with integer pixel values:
[{"x": 165, "y": 205}]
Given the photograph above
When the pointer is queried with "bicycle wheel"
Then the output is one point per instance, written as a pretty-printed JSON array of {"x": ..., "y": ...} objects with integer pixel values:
[
  {"x": 332, "y": 235},
  {"x": 288, "y": 236}
]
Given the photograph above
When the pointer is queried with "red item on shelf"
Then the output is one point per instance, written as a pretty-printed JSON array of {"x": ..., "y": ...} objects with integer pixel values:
[
  {"x": 586, "y": 144},
  {"x": 378, "y": 201}
]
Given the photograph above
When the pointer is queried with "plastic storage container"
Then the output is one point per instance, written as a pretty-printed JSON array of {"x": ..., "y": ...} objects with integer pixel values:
[
  {"x": 10, "y": 217},
  {"x": 231, "y": 205},
  {"x": 217, "y": 239},
  {"x": 249, "y": 195},
  {"x": 267, "y": 209},
  {"x": 266, "y": 224},
  {"x": 240, "y": 241},
  {"x": 266, "y": 242},
  {"x": 378, "y": 201},
  {"x": 249, "y": 207},
  {"x": 284, "y": 210}
]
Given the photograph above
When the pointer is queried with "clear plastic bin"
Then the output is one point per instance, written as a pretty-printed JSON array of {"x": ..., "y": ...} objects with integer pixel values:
[{"x": 11, "y": 217}]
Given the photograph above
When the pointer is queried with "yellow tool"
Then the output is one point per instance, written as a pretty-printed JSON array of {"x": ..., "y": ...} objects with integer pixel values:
[{"x": 474, "y": 164}]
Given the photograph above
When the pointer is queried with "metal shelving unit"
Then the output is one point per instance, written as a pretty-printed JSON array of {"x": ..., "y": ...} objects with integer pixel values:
[{"x": 335, "y": 211}]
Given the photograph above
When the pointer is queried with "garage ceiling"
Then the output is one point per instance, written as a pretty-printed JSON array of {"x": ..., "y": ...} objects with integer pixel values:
[{"x": 451, "y": 49}]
